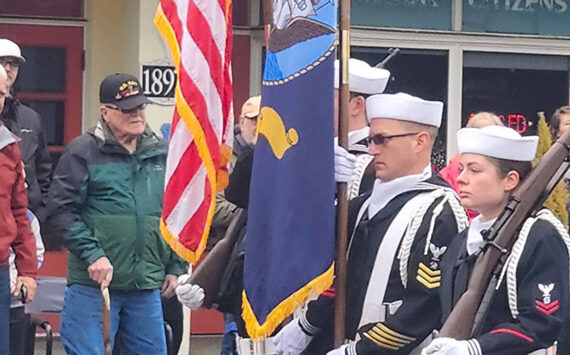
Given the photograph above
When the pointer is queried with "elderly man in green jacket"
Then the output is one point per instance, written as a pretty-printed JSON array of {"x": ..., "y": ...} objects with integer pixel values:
[{"x": 105, "y": 201}]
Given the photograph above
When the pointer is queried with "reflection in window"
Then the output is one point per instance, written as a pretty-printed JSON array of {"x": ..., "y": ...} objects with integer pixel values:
[
  {"x": 421, "y": 73},
  {"x": 515, "y": 87},
  {"x": 544, "y": 17},
  {"x": 44, "y": 70}
]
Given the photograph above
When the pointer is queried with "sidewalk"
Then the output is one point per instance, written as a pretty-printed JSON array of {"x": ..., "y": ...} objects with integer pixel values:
[{"x": 199, "y": 345}]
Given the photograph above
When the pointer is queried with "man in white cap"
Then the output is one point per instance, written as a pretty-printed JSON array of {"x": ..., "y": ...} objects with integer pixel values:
[
  {"x": 364, "y": 81},
  {"x": 399, "y": 233},
  {"x": 351, "y": 166},
  {"x": 26, "y": 124}
]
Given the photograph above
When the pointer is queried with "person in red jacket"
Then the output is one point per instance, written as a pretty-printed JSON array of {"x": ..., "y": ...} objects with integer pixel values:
[{"x": 15, "y": 230}]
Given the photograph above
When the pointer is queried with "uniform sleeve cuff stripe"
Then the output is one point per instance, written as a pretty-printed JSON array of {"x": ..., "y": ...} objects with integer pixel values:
[
  {"x": 474, "y": 347},
  {"x": 381, "y": 344},
  {"x": 307, "y": 327},
  {"x": 388, "y": 340},
  {"x": 380, "y": 333},
  {"x": 351, "y": 349},
  {"x": 383, "y": 327}
]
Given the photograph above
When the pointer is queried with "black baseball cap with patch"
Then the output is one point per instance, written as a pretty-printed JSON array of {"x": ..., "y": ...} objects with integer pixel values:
[{"x": 122, "y": 90}]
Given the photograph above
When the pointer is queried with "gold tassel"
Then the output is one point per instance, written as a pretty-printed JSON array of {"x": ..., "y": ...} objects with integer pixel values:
[{"x": 259, "y": 332}]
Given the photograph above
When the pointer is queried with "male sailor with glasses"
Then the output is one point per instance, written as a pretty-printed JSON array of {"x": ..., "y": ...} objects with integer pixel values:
[
  {"x": 105, "y": 201},
  {"x": 27, "y": 125},
  {"x": 399, "y": 232}
]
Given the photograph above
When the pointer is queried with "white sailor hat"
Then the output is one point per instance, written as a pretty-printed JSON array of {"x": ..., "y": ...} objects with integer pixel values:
[
  {"x": 497, "y": 142},
  {"x": 363, "y": 78},
  {"x": 404, "y": 107}
]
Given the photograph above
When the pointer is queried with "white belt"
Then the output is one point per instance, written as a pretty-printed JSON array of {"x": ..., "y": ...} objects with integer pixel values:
[
  {"x": 246, "y": 346},
  {"x": 388, "y": 309},
  {"x": 384, "y": 311}
]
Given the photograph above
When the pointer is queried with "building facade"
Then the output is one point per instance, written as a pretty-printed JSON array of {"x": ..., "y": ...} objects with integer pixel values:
[{"x": 507, "y": 56}]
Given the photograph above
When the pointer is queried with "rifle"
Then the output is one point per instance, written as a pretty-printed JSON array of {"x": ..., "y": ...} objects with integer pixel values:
[
  {"x": 392, "y": 52},
  {"x": 468, "y": 315},
  {"x": 209, "y": 272}
]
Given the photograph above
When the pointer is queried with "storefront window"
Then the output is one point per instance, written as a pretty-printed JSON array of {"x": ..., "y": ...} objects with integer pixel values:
[
  {"x": 422, "y": 14},
  {"x": 66, "y": 9},
  {"x": 422, "y": 73},
  {"x": 514, "y": 86},
  {"x": 540, "y": 17},
  {"x": 45, "y": 72}
]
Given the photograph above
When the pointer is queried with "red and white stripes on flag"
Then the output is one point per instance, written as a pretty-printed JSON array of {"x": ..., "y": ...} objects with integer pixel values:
[{"x": 199, "y": 34}]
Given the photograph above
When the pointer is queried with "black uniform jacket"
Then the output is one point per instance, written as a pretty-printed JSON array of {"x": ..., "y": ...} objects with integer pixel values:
[
  {"x": 419, "y": 312},
  {"x": 541, "y": 289}
]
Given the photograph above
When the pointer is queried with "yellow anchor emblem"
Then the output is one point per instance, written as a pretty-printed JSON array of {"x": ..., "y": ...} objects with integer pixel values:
[{"x": 270, "y": 125}]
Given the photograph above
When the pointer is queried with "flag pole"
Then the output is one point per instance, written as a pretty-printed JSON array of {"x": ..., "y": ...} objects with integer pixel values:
[
  {"x": 267, "y": 19},
  {"x": 342, "y": 206},
  {"x": 267, "y": 6}
]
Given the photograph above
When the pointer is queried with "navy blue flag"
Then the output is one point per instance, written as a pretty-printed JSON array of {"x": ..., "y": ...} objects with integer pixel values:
[{"x": 289, "y": 251}]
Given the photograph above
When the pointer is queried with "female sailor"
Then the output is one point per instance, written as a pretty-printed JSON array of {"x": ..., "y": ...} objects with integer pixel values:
[{"x": 528, "y": 309}]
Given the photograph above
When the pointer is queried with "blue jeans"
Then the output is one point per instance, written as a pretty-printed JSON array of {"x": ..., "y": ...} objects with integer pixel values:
[
  {"x": 230, "y": 332},
  {"x": 135, "y": 315},
  {"x": 4, "y": 310}
]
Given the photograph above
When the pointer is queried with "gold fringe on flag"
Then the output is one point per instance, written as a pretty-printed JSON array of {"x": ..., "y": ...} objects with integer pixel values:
[{"x": 285, "y": 308}]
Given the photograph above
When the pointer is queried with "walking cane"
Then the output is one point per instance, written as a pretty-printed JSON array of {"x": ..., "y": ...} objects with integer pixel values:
[{"x": 106, "y": 321}]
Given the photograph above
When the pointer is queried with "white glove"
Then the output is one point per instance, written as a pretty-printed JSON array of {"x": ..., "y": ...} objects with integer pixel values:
[
  {"x": 343, "y": 164},
  {"x": 339, "y": 351},
  {"x": 189, "y": 295},
  {"x": 291, "y": 340},
  {"x": 450, "y": 346}
]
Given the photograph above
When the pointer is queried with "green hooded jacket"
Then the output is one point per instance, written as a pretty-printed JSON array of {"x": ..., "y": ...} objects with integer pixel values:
[{"x": 106, "y": 201}]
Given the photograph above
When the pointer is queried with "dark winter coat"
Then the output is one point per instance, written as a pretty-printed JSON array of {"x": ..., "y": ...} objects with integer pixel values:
[
  {"x": 26, "y": 124},
  {"x": 105, "y": 201}
]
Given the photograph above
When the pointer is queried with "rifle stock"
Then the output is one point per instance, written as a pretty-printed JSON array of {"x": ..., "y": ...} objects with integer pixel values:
[
  {"x": 526, "y": 200},
  {"x": 209, "y": 272}
]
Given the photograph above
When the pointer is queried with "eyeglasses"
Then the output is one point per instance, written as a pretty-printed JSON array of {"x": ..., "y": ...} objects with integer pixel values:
[
  {"x": 379, "y": 139},
  {"x": 14, "y": 64},
  {"x": 254, "y": 118},
  {"x": 127, "y": 111}
]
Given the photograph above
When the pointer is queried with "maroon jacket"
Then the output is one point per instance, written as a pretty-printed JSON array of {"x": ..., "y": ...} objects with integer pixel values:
[{"x": 15, "y": 230}]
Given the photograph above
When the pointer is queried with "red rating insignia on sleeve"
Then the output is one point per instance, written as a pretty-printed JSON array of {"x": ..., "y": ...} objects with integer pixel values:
[
  {"x": 512, "y": 332},
  {"x": 329, "y": 292},
  {"x": 547, "y": 308}
]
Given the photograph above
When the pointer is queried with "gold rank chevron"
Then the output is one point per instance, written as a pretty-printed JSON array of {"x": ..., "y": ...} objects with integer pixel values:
[
  {"x": 428, "y": 277},
  {"x": 387, "y": 338}
]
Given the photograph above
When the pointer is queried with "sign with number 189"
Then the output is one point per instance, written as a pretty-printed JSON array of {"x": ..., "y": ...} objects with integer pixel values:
[{"x": 158, "y": 81}]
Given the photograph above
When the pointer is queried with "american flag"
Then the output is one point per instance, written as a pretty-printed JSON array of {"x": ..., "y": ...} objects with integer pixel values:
[{"x": 199, "y": 34}]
